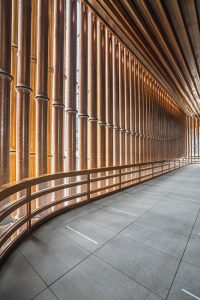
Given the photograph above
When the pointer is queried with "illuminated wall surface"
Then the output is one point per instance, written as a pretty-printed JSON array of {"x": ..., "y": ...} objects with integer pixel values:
[
  {"x": 78, "y": 97},
  {"x": 73, "y": 97}
]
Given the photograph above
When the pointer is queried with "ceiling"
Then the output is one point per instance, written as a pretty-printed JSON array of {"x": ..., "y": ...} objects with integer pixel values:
[{"x": 165, "y": 36}]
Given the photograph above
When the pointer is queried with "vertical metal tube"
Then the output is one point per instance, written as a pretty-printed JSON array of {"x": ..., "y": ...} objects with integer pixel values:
[
  {"x": 127, "y": 107},
  {"x": 116, "y": 129},
  {"x": 71, "y": 111},
  {"x": 92, "y": 94},
  {"x": 121, "y": 105},
  {"x": 23, "y": 92},
  {"x": 5, "y": 80},
  {"x": 58, "y": 91},
  {"x": 42, "y": 92},
  {"x": 101, "y": 94},
  {"x": 42, "y": 88},
  {"x": 109, "y": 99},
  {"x": 83, "y": 89}
]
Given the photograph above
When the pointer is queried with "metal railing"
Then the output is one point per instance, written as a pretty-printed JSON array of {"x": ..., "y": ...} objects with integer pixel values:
[{"x": 30, "y": 202}]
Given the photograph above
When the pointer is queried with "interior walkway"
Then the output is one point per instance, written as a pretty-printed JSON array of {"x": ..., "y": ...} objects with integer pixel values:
[{"x": 143, "y": 243}]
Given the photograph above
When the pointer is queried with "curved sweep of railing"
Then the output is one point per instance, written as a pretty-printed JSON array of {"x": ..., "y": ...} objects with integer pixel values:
[{"x": 32, "y": 201}]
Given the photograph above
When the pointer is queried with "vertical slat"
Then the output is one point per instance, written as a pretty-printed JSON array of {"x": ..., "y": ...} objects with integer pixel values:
[
  {"x": 83, "y": 90},
  {"x": 92, "y": 94},
  {"x": 42, "y": 92},
  {"x": 23, "y": 92},
  {"x": 109, "y": 100},
  {"x": 109, "y": 104},
  {"x": 5, "y": 80},
  {"x": 42, "y": 88},
  {"x": 58, "y": 91},
  {"x": 127, "y": 107},
  {"x": 71, "y": 111},
  {"x": 121, "y": 105},
  {"x": 101, "y": 94},
  {"x": 13, "y": 91},
  {"x": 116, "y": 129}
]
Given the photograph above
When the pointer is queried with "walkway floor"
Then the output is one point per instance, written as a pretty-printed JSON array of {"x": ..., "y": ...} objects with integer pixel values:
[{"x": 143, "y": 243}]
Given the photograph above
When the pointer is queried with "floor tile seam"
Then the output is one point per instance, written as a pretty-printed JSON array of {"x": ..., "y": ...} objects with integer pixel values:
[
  {"x": 181, "y": 199},
  {"x": 163, "y": 229},
  {"x": 47, "y": 285},
  {"x": 44, "y": 291},
  {"x": 172, "y": 231},
  {"x": 65, "y": 224},
  {"x": 76, "y": 265},
  {"x": 35, "y": 271},
  {"x": 66, "y": 238},
  {"x": 76, "y": 243},
  {"x": 182, "y": 255},
  {"x": 114, "y": 235},
  {"x": 118, "y": 214},
  {"x": 147, "y": 246},
  {"x": 135, "y": 194},
  {"x": 128, "y": 276},
  {"x": 189, "y": 263},
  {"x": 138, "y": 198},
  {"x": 103, "y": 226}
]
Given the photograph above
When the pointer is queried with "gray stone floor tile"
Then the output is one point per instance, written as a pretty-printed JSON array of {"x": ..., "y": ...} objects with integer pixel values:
[
  {"x": 95, "y": 280},
  {"x": 187, "y": 278},
  {"x": 110, "y": 199},
  {"x": 52, "y": 254},
  {"x": 133, "y": 204},
  {"x": 18, "y": 281},
  {"x": 46, "y": 295},
  {"x": 140, "y": 233},
  {"x": 173, "y": 217},
  {"x": 192, "y": 252},
  {"x": 157, "y": 238},
  {"x": 88, "y": 235},
  {"x": 111, "y": 219},
  {"x": 68, "y": 217},
  {"x": 149, "y": 267}
]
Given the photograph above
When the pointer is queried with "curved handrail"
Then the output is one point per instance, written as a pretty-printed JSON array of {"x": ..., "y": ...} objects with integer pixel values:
[{"x": 117, "y": 178}]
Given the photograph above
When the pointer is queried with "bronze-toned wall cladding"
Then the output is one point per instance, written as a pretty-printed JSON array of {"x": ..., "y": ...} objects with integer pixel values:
[
  {"x": 71, "y": 61},
  {"x": 75, "y": 96}
]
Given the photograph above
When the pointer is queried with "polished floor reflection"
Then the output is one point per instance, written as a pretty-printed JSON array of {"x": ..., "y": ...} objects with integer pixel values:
[{"x": 143, "y": 243}]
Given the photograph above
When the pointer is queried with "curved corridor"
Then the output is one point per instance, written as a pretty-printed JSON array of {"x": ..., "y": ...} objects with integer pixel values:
[{"x": 142, "y": 243}]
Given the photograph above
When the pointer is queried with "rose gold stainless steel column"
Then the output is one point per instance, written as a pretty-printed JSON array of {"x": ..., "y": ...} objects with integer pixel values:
[
  {"x": 13, "y": 91},
  {"x": 109, "y": 99},
  {"x": 58, "y": 89},
  {"x": 5, "y": 79},
  {"x": 71, "y": 111},
  {"x": 101, "y": 94},
  {"x": 42, "y": 92},
  {"x": 135, "y": 110},
  {"x": 109, "y": 105},
  {"x": 127, "y": 107},
  {"x": 147, "y": 122},
  {"x": 121, "y": 105},
  {"x": 141, "y": 115},
  {"x": 83, "y": 89},
  {"x": 116, "y": 129},
  {"x": 92, "y": 94},
  {"x": 23, "y": 93},
  {"x": 137, "y": 113},
  {"x": 144, "y": 116},
  {"x": 101, "y": 99},
  {"x": 132, "y": 119}
]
